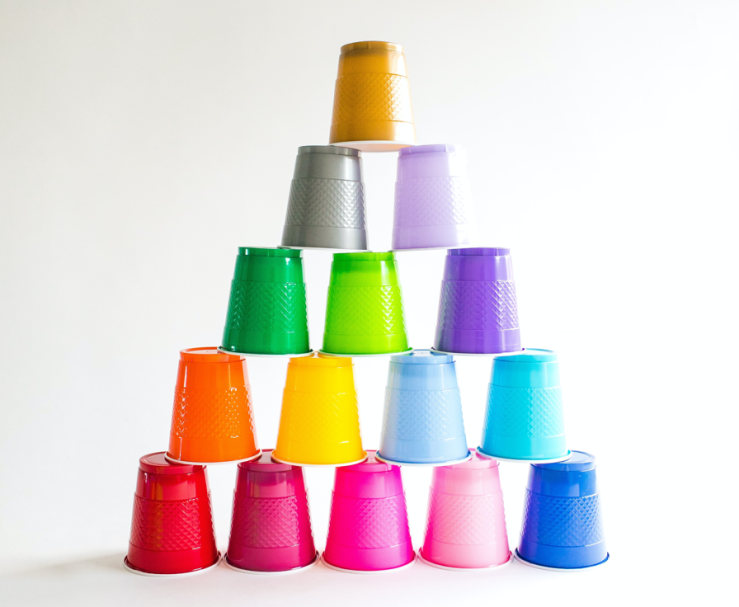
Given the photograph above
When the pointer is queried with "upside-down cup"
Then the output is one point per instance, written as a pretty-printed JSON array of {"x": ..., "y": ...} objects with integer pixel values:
[
  {"x": 524, "y": 419},
  {"x": 319, "y": 421},
  {"x": 478, "y": 313},
  {"x": 326, "y": 205},
  {"x": 172, "y": 525},
  {"x": 270, "y": 525},
  {"x": 364, "y": 312},
  {"x": 212, "y": 417},
  {"x": 372, "y": 99},
  {"x": 465, "y": 528},
  {"x": 432, "y": 198},
  {"x": 267, "y": 312},
  {"x": 562, "y": 519},
  {"x": 422, "y": 423},
  {"x": 368, "y": 529}
]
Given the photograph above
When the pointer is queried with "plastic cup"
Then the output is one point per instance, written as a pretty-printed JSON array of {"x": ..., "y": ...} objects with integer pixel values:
[
  {"x": 524, "y": 418},
  {"x": 466, "y": 527},
  {"x": 267, "y": 312},
  {"x": 423, "y": 423},
  {"x": 270, "y": 526},
  {"x": 319, "y": 422},
  {"x": 478, "y": 313},
  {"x": 562, "y": 520},
  {"x": 368, "y": 529},
  {"x": 364, "y": 313},
  {"x": 372, "y": 99},
  {"x": 172, "y": 527},
  {"x": 432, "y": 200},
  {"x": 212, "y": 418},
  {"x": 326, "y": 205}
]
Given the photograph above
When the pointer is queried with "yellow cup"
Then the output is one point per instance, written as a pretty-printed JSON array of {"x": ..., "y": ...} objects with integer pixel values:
[
  {"x": 319, "y": 423},
  {"x": 372, "y": 99}
]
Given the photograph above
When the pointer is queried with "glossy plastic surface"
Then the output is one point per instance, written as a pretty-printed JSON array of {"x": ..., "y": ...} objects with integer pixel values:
[
  {"x": 270, "y": 524},
  {"x": 478, "y": 312},
  {"x": 364, "y": 312},
  {"x": 372, "y": 98},
  {"x": 368, "y": 530},
  {"x": 172, "y": 524},
  {"x": 562, "y": 520},
  {"x": 422, "y": 421},
  {"x": 319, "y": 422},
  {"x": 524, "y": 419},
  {"x": 267, "y": 312},
  {"x": 432, "y": 198},
  {"x": 466, "y": 527},
  {"x": 212, "y": 416}
]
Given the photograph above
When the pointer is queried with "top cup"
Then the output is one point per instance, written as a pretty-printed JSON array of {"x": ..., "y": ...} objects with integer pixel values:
[
  {"x": 372, "y": 99},
  {"x": 326, "y": 206}
]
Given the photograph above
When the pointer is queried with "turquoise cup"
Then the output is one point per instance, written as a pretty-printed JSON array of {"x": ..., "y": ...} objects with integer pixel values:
[{"x": 524, "y": 418}]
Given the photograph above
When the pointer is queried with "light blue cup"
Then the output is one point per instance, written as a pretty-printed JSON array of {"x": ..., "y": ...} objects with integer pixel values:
[
  {"x": 422, "y": 424},
  {"x": 524, "y": 418}
]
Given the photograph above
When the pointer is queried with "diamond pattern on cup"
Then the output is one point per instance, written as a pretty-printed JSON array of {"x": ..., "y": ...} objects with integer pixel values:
[
  {"x": 478, "y": 305},
  {"x": 467, "y": 520},
  {"x": 267, "y": 306},
  {"x": 168, "y": 526},
  {"x": 362, "y": 97},
  {"x": 270, "y": 522},
  {"x": 432, "y": 201},
  {"x": 354, "y": 311},
  {"x": 321, "y": 417},
  {"x": 562, "y": 521},
  {"x": 330, "y": 203},
  {"x": 542, "y": 417},
  {"x": 368, "y": 523},
  {"x": 422, "y": 415},
  {"x": 227, "y": 413}
]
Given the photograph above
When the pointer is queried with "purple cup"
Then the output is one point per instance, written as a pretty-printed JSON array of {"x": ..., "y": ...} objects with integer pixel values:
[
  {"x": 432, "y": 200},
  {"x": 478, "y": 313}
]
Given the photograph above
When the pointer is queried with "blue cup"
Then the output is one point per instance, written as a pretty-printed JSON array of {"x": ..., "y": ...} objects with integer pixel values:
[
  {"x": 562, "y": 522},
  {"x": 524, "y": 418},
  {"x": 422, "y": 423}
]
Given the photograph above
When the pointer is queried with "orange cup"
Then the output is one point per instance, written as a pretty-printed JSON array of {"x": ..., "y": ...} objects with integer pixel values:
[{"x": 212, "y": 418}]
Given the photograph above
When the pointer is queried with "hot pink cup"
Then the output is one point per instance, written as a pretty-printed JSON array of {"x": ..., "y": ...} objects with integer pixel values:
[
  {"x": 368, "y": 530},
  {"x": 466, "y": 520}
]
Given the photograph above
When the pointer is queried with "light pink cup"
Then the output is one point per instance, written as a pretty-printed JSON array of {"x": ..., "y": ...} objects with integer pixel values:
[{"x": 466, "y": 520}]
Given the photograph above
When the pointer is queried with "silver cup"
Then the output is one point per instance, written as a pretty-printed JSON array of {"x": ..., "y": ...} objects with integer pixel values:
[{"x": 326, "y": 205}]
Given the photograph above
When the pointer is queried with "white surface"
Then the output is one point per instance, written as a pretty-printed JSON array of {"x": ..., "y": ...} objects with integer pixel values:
[{"x": 142, "y": 142}]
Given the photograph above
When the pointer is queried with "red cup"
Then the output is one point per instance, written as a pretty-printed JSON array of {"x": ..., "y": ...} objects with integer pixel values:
[{"x": 172, "y": 527}]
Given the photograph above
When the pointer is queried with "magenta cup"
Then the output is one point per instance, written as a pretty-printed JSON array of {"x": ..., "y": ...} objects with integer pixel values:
[
  {"x": 478, "y": 313},
  {"x": 368, "y": 530},
  {"x": 270, "y": 526},
  {"x": 466, "y": 528},
  {"x": 432, "y": 198}
]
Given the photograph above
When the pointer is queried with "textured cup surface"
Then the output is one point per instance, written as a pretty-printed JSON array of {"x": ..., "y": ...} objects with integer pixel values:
[
  {"x": 478, "y": 311},
  {"x": 172, "y": 524},
  {"x": 368, "y": 529},
  {"x": 267, "y": 311},
  {"x": 466, "y": 527},
  {"x": 212, "y": 417},
  {"x": 524, "y": 418},
  {"x": 270, "y": 524},
  {"x": 372, "y": 98},
  {"x": 432, "y": 198},
  {"x": 562, "y": 520},
  {"x": 319, "y": 421},
  {"x": 364, "y": 312},
  {"x": 422, "y": 422},
  {"x": 326, "y": 206}
]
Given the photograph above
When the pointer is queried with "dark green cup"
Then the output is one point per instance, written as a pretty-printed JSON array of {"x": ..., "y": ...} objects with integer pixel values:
[{"x": 267, "y": 312}]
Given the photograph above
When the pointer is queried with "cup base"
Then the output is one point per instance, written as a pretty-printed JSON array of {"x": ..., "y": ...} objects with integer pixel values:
[
  {"x": 308, "y": 353},
  {"x": 271, "y": 573},
  {"x": 365, "y": 355},
  {"x": 520, "y": 559},
  {"x": 522, "y": 460},
  {"x": 128, "y": 567},
  {"x": 375, "y": 145},
  {"x": 364, "y": 572},
  {"x": 444, "y": 248},
  {"x": 483, "y": 354},
  {"x": 451, "y": 462},
  {"x": 302, "y": 465},
  {"x": 230, "y": 461},
  {"x": 448, "y": 568}
]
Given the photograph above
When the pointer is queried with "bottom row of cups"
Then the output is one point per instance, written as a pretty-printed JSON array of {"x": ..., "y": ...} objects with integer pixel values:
[{"x": 172, "y": 529}]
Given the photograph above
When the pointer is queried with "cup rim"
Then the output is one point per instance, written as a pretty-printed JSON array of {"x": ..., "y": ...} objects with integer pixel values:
[
  {"x": 523, "y": 561},
  {"x": 271, "y": 573},
  {"x": 464, "y": 569},
  {"x": 454, "y": 462},
  {"x": 132, "y": 569},
  {"x": 366, "y": 572}
]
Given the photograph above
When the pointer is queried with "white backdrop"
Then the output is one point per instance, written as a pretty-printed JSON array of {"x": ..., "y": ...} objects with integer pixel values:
[{"x": 142, "y": 142}]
